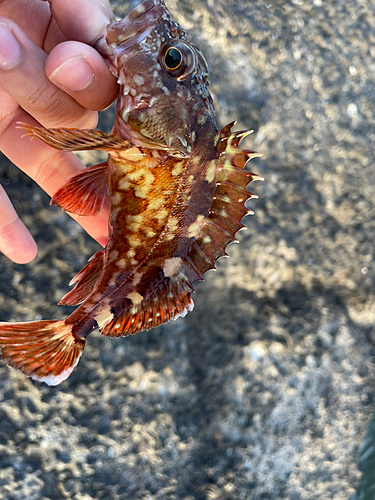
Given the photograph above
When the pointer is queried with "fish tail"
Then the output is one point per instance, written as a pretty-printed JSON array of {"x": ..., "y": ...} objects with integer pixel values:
[{"x": 44, "y": 350}]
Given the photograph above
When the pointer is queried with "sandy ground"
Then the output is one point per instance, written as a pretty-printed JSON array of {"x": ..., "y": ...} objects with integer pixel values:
[{"x": 266, "y": 389}]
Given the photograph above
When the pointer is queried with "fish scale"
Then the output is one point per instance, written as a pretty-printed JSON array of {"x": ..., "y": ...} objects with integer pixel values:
[{"x": 177, "y": 191}]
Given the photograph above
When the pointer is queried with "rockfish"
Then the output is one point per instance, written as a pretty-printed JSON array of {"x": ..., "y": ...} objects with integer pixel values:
[{"x": 177, "y": 190}]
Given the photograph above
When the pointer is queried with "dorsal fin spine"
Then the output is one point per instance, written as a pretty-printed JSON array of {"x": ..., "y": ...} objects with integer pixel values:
[
  {"x": 194, "y": 268},
  {"x": 224, "y": 199},
  {"x": 204, "y": 255},
  {"x": 221, "y": 229},
  {"x": 217, "y": 246},
  {"x": 222, "y": 213}
]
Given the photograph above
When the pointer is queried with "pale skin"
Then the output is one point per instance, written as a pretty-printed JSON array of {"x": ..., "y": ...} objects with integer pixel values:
[{"x": 47, "y": 80}]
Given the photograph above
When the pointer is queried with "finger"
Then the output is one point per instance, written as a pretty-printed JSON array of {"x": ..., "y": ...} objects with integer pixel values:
[
  {"x": 50, "y": 169},
  {"x": 52, "y": 37},
  {"x": 15, "y": 240},
  {"x": 79, "y": 70},
  {"x": 82, "y": 20},
  {"x": 23, "y": 77},
  {"x": 33, "y": 17}
]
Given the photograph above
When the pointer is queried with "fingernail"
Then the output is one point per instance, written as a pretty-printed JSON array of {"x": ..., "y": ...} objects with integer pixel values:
[
  {"x": 74, "y": 74},
  {"x": 10, "y": 50}
]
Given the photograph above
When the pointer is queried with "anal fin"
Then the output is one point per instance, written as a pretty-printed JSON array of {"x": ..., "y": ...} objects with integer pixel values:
[
  {"x": 85, "y": 192},
  {"x": 85, "y": 281}
]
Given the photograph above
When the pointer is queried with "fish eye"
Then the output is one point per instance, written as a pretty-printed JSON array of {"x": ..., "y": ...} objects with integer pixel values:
[
  {"x": 173, "y": 58},
  {"x": 177, "y": 59}
]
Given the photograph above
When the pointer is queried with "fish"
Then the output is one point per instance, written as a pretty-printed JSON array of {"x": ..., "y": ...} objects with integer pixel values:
[{"x": 177, "y": 188}]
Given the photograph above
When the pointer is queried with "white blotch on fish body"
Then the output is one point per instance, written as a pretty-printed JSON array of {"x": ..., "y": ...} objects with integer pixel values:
[
  {"x": 202, "y": 119},
  {"x": 172, "y": 266},
  {"x": 113, "y": 255},
  {"x": 116, "y": 198},
  {"x": 135, "y": 297},
  {"x": 138, "y": 80},
  {"x": 195, "y": 228},
  {"x": 178, "y": 168},
  {"x": 136, "y": 279},
  {"x": 104, "y": 316},
  {"x": 124, "y": 184},
  {"x": 211, "y": 170}
]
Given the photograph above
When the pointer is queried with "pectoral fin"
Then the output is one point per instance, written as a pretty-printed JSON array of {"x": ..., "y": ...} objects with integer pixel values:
[
  {"x": 85, "y": 192},
  {"x": 75, "y": 139}
]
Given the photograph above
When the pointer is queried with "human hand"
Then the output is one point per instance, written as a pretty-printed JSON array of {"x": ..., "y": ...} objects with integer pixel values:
[{"x": 49, "y": 74}]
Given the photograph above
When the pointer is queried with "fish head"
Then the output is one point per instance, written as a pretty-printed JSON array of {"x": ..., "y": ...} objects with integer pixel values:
[{"x": 163, "y": 101}]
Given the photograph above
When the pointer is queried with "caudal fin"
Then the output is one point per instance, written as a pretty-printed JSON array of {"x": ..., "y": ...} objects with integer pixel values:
[{"x": 44, "y": 350}]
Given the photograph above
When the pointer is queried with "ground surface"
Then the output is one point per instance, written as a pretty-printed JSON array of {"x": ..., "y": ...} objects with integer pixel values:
[{"x": 266, "y": 389}]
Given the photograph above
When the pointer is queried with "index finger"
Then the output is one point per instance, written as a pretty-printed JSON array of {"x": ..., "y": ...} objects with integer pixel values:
[
  {"x": 82, "y": 20},
  {"x": 15, "y": 240}
]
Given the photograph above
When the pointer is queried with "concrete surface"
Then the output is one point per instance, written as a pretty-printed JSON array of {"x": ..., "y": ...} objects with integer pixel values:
[{"x": 266, "y": 389}]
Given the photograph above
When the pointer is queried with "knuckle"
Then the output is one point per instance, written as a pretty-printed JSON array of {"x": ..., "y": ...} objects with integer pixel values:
[{"x": 45, "y": 104}]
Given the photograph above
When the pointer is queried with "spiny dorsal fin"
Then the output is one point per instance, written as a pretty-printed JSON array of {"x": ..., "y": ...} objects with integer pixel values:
[
  {"x": 85, "y": 281},
  {"x": 228, "y": 207},
  {"x": 85, "y": 192}
]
